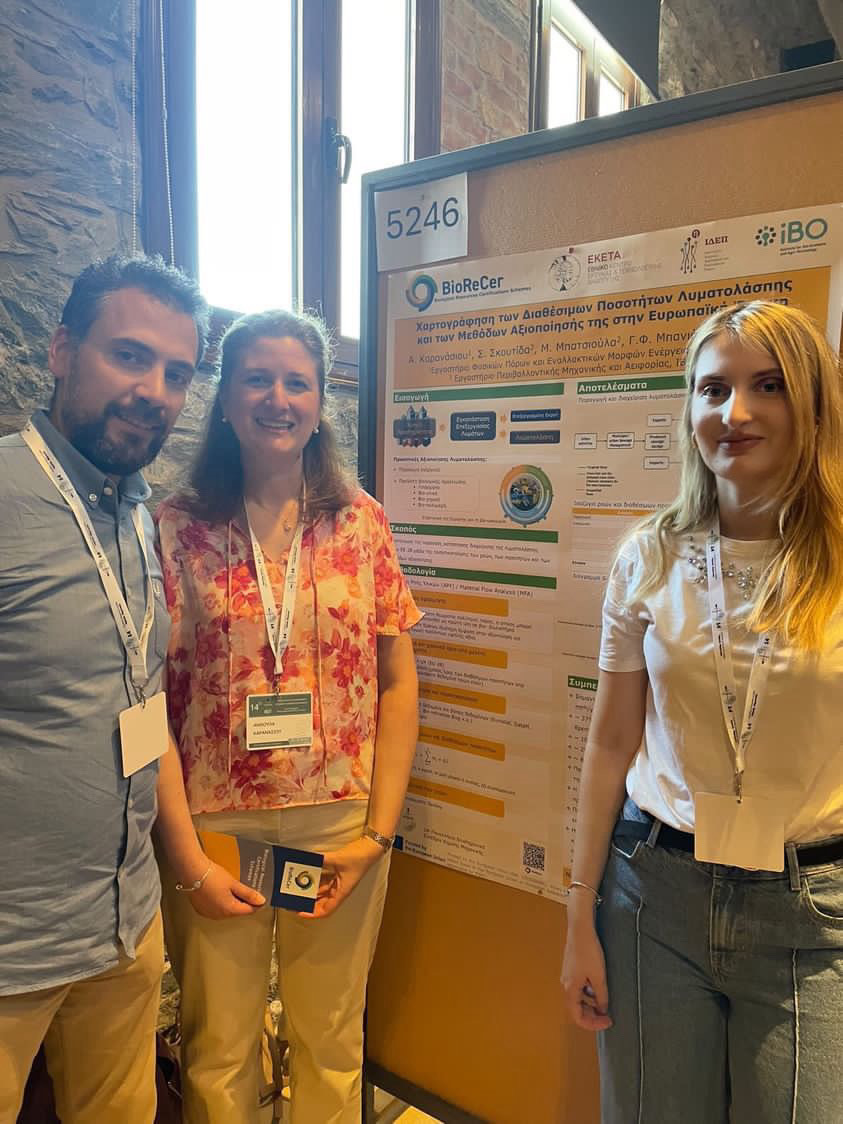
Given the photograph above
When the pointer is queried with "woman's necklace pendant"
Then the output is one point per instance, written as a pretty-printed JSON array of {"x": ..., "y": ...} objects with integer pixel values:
[{"x": 289, "y": 524}]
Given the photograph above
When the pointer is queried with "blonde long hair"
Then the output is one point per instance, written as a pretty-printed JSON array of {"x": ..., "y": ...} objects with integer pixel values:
[{"x": 803, "y": 584}]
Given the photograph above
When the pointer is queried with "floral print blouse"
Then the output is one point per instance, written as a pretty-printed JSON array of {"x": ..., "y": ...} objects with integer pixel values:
[{"x": 350, "y": 591}]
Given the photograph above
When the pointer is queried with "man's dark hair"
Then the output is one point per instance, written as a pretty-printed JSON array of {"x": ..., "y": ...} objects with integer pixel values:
[{"x": 150, "y": 274}]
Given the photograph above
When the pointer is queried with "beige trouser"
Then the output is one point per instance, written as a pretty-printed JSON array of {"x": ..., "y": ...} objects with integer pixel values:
[
  {"x": 223, "y": 968},
  {"x": 99, "y": 1038}
]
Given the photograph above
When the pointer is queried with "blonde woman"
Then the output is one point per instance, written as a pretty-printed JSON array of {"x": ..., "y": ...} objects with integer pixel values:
[{"x": 710, "y": 831}]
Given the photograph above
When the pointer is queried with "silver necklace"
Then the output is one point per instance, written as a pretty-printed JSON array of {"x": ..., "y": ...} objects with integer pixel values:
[{"x": 746, "y": 579}]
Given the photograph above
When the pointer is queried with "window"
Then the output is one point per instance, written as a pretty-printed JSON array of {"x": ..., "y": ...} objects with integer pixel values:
[
  {"x": 245, "y": 138},
  {"x": 576, "y": 73},
  {"x": 375, "y": 99},
  {"x": 564, "y": 91},
  {"x": 290, "y": 103},
  {"x": 250, "y": 127},
  {"x": 611, "y": 98}
]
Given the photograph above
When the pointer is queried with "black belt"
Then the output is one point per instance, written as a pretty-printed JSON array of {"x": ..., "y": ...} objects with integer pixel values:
[{"x": 808, "y": 854}]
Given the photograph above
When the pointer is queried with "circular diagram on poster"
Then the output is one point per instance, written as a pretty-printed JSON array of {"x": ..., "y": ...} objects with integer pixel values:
[{"x": 526, "y": 494}]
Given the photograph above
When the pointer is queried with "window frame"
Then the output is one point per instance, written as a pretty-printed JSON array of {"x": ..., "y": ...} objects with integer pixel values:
[
  {"x": 347, "y": 348},
  {"x": 597, "y": 55},
  {"x": 168, "y": 170}
]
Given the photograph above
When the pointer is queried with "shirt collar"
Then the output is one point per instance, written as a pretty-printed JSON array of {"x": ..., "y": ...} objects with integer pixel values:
[{"x": 86, "y": 478}]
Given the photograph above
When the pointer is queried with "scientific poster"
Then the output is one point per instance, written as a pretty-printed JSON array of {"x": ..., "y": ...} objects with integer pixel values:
[{"x": 531, "y": 411}]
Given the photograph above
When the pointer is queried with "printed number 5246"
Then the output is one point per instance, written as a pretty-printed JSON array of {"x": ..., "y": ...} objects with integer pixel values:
[{"x": 404, "y": 223}]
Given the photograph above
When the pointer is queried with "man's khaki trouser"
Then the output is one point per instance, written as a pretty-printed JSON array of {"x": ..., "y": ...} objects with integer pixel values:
[
  {"x": 99, "y": 1038},
  {"x": 223, "y": 968}
]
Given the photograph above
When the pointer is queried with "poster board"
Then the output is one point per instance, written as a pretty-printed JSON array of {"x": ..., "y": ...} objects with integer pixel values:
[{"x": 464, "y": 1014}]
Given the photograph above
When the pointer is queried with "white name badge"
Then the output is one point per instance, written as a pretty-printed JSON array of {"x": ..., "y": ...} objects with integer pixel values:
[
  {"x": 748, "y": 834},
  {"x": 144, "y": 734},
  {"x": 280, "y": 721}
]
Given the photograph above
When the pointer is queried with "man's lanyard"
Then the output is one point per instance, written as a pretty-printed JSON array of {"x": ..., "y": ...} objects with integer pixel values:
[
  {"x": 739, "y": 738},
  {"x": 278, "y": 628},
  {"x": 134, "y": 643}
]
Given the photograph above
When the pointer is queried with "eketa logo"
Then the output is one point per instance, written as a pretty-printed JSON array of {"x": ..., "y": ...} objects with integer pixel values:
[{"x": 421, "y": 292}]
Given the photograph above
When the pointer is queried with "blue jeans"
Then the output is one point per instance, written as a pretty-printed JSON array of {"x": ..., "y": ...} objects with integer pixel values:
[{"x": 725, "y": 987}]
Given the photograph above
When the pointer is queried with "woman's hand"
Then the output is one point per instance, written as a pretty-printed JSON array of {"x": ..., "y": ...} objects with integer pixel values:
[
  {"x": 341, "y": 871},
  {"x": 221, "y": 896},
  {"x": 584, "y": 976}
]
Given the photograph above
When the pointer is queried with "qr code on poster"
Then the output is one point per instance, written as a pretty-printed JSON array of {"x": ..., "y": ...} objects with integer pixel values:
[{"x": 533, "y": 856}]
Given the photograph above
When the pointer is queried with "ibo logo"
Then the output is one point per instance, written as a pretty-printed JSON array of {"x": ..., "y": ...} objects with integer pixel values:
[
  {"x": 421, "y": 292},
  {"x": 791, "y": 232},
  {"x": 765, "y": 235}
]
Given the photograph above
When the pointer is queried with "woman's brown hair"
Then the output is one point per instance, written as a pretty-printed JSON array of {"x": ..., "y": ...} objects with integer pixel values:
[{"x": 217, "y": 474}]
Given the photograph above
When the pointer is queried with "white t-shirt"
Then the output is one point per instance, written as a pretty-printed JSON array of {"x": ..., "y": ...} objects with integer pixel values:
[{"x": 796, "y": 754}]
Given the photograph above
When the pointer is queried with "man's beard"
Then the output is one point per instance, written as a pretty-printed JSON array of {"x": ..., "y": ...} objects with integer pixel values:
[{"x": 115, "y": 457}]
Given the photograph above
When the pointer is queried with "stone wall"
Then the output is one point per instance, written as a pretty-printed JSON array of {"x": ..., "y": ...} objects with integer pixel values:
[
  {"x": 66, "y": 197},
  {"x": 65, "y": 176},
  {"x": 485, "y": 71},
  {"x": 703, "y": 45}
]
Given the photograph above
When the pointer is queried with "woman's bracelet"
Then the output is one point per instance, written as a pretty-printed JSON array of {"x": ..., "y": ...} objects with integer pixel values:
[
  {"x": 383, "y": 841},
  {"x": 585, "y": 886},
  {"x": 194, "y": 886}
]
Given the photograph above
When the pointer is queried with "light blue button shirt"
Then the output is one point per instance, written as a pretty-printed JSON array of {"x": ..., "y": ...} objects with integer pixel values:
[{"x": 78, "y": 880}]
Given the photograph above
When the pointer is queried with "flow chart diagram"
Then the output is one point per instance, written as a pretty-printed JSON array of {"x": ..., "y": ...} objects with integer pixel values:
[{"x": 654, "y": 440}]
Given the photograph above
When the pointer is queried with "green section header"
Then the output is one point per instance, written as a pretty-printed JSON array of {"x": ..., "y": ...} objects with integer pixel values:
[
  {"x": 523, "y": 390},
  {"x": 581, "y": 683},
  {"x": 630, "y": 385},
  {"x": 529, "y": 580},
  {"x": 474, "y": 532}
]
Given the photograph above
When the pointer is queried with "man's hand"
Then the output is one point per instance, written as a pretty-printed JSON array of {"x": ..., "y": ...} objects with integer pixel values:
[
  {"x": 222, "y": 896},
  {"x": 341, "y": 872}
]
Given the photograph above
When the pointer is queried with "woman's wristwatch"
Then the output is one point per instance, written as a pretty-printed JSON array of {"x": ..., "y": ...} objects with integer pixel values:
[{"x": 384, "y": 841}]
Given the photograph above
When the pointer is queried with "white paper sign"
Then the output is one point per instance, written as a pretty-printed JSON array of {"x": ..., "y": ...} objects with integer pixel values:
[
  {"x": 422, "y": 224},
  {"x": 144, "y": 734},
  {"x": 749, "y": 834}
]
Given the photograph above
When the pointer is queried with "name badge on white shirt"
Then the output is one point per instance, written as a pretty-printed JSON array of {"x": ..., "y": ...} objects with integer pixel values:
[
  {"x": 279, "y": 721},
  {"x": 144, "y": 734},
  {"x": 749, "y": 834}
]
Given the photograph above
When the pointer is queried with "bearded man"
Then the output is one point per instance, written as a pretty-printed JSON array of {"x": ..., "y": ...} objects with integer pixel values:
[{"x": 86, "y": 762}]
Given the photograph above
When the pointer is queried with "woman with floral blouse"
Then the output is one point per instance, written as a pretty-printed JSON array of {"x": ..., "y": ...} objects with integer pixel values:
[{"x": 283, "y": 583}]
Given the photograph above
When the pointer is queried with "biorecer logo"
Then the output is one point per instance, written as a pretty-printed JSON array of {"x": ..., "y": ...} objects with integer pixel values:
[{"x": 420, "y": 292}]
